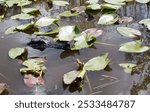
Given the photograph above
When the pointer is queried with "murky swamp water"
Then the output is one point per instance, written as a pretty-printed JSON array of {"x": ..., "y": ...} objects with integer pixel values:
[{"x": 112, "y": 82}]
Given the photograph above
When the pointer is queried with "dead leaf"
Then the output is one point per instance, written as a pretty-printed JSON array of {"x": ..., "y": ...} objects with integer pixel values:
[{"x": 3, "y": 87}]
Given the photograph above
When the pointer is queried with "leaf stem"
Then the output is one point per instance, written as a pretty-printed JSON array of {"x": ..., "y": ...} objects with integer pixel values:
[
  {"x": 89, "y": 84},
  {"x": 105, "y": 44}
]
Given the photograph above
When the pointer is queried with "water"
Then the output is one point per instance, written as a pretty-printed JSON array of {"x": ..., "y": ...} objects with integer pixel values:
[{"x": 114, "y": 81}]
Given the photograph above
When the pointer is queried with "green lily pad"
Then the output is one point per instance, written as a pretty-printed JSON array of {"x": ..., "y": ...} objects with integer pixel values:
[
  {"x": 11, "y": 30},
  {"x": 108, "y": 19},
  {"x": 93, "y": 7},
  {"x": 68, "y": 33},
  {"x": 97, "y": 63},
  {"x": 54, "y": 31},
  {"x": 24, "y": 27},
  {"x": 92, "y": 1},
  {"x": 71, "y": 76},
  {"x": 146, "y": 22},
  {"x": 128, "y": 67},
  {"x": 69, "y": 14},
  {"x": 1, "y": 17},
  {"x": 134, "y": 47},
  {"x": 33, "y": 66},
  {"x": 110, "y": 6},
  {"x": 143, "y": 1},
  {"x": 46, "y": 21},
  {"x": 116, "y": 2},
  {"x": 83, "y": 41},
  {"x": 22, "y": 16},
  {"x": 30, "y": 10},
  {"x": 16, "y": 52},
  {"x": 60, "y": 3},
  {"x": 10, "y": 3},
  {"x": 128, "y": 32}
]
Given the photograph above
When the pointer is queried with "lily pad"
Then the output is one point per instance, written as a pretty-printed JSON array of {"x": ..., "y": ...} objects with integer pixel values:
[
  {"x": 146, "y": 22},
  {"x": 128, "y": 32},
  {"x": 125, "y": 19},
  {"x": 33, "y": 66},
  {"x": 60, "y": 3},
  {"x": 134, "y": 47},
  {"x": 79, "y": 9},
  {"x": 54, "y": 31},
  {"x": 24, "y": 27},
  {"x": 108, "y": 19},
  {"x": 3, "y": 87},
  {"x": 92, "y": 1},
  {"x": 93, "y": 7},
  {"x": 69, "y": 14},
  {"x": 22, "y": 16},
  {"x": 68, "y": 33},
  {"x": 97, "y": 63},
  {"x": 110, "y": 6},
  {"x": 46, "y": 21},
  {"x": 116, "y": 2},
  {"x": 16, "y": 52},
  {"x": 128, "y": 67},
  {"x": 11, "y": 30},
  {"x": 30, "y": 10},
  {"x": 143, "y": 1},
  {"x": 93, "y": 32},
  {"x": 1, "y": 17},
  {"x": 70, "y": 77},
  {"x": 83, "y": 41}
]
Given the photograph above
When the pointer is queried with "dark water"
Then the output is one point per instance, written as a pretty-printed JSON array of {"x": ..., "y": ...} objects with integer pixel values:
[{"x": 115, "y": 81}]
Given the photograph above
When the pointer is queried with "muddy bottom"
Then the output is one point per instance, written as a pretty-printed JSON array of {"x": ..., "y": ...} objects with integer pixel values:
[{"x": 113, "y": 81}]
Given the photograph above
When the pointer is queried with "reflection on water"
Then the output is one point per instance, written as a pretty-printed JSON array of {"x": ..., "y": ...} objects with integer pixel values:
[{"x": 112, "y": 81}]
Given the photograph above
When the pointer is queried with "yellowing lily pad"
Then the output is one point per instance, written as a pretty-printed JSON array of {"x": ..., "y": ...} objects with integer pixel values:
[
  {"x": 134, "y": 47},
  {"x": 97, "y": 63}
]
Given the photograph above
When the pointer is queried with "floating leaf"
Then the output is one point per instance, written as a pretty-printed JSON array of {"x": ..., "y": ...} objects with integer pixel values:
[
  {"x": 11, "y": 30},
  {"x": 10, "y": 3},
  {"x": 68, "y": 33},
  {"x": 54, "y": 31},
  {"x": 33, "y": 66},
  {"x": 134, "y": 47},
  {"x": 79, "y": 9},
  {"x": 22, "y": 16},
  {"x": 92, "y": 1},
  {"x": 97, "y": 63},
  {"x": 3, "y": 87},
  {"x": 117, "y": 2},
  {"x": 93, "y": 7},
  {"x": 60, "y": 3},
  {"x": 110, "y": 6},
  {"x": 1, "y": 17},
  {"x": 24, "y": 3},
  {"x": 31, "y": 81},
  {"x": 146, "y": 22},
  {"x": 108, "y": 19},
  {"x": 70, "y": 77},
  {"x": 16, "y": 52},
  {"x": 24, "y": 27},
  {"x": 83, "y": 41},
  {"x": 69, "y": 14},
  {"x": 46, "y": 21},
  {"x": 143, "y": 1},
  {"x": 93, "y": 32},
  {"x": 30, "y": 10},
  {"x": 125, "y": 19},
  {"x": 128, "y": 32},
  {"x": 128, "y": 67}
]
